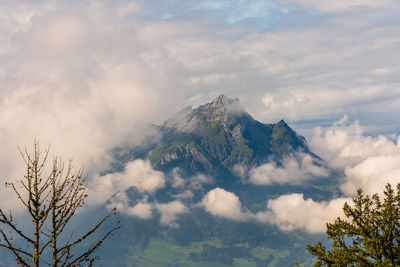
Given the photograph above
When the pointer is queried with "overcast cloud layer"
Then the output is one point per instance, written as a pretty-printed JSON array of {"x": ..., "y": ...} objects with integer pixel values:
[{"x": 84, "y": 75}]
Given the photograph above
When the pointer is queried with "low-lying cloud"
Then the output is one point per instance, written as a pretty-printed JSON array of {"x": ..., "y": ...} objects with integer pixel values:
[
  {"x": 220, "y": 202},
  {"x": 142, "y": 209},
  {"x": 288, "y": 212},
  {"x": 137, "y": 173},
  {"x": 169, "y": 212},
  {"x": 292, "y": 211},
  {"x": 367, "y": 162},
  {"x": 295, "y": 169}
]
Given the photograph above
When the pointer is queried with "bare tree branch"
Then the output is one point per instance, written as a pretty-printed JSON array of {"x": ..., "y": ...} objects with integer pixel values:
[{"x": 51, "y": 202}]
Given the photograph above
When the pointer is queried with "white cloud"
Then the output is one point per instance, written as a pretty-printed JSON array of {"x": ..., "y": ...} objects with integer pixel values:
[
  {"x": 142, "y": 209},
  {"x": 344, "y": 145},
  {"x": 74, "y": 69},
  {"x": 292, "y": 211},
  {"x": 137, "y": 173},
  {"x": 114, "y": 71},
  {"x": 288, "y": 212},
  {"x": 291, "y": 106},
  {"x": 295, "y": 169},
  {"x": 372, "y": 174},
  {"x": 367, "y": 162},
  {"x": 220, "y": 202},
  {"x": 337, "y": 5},
  {"x": 141, "y": 175},
  {"x": 170, "y": 211}
]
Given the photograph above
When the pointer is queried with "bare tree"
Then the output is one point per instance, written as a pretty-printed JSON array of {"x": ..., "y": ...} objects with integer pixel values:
[{"x": 51, "y": 198}]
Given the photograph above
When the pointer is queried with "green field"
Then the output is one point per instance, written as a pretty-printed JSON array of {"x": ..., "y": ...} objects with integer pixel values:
[{"x": 162, "y": 253}]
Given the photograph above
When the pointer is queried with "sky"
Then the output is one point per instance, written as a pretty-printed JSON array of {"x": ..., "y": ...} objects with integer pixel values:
[{"x": 86, "y": 75}]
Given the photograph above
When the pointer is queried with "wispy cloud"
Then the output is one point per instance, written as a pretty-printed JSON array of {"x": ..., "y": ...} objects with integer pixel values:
[
  {"x": 169, "y": 212},
  {"x": 338, "y": 5}
]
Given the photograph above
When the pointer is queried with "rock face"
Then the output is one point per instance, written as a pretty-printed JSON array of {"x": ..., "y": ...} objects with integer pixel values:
[
  {"x": 221, "y": 110},
  {"x": 215, "y": 137}
]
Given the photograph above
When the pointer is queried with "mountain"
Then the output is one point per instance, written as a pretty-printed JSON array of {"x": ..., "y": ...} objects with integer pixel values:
[
  {"x": 215, "y": 145},
  {"x": 214, "y": 138},
  {"x": 220, "y": 134}
]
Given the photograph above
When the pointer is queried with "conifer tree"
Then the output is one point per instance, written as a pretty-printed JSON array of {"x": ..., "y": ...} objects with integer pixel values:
[{"x": 369, "y": 234}]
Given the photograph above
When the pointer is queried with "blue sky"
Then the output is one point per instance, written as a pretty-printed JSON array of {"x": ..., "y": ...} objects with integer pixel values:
[{"x": 259, "y": 15}]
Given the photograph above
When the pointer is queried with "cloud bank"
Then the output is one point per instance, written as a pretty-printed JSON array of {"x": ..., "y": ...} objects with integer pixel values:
[
  {"x": 288, "y": 212},
  {"x": 137, "y": 173},
  {"x": 367, "y": 162},
  {"x": 292, "y": 211},
  {"x": 295, "y": 169}
]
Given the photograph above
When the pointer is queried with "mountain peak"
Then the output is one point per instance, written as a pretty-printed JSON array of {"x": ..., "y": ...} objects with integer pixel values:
[
  {"x": 282, "y": 123},
  {"x": 221, "y": 109},
  {"x": 223, "y": 101}
]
